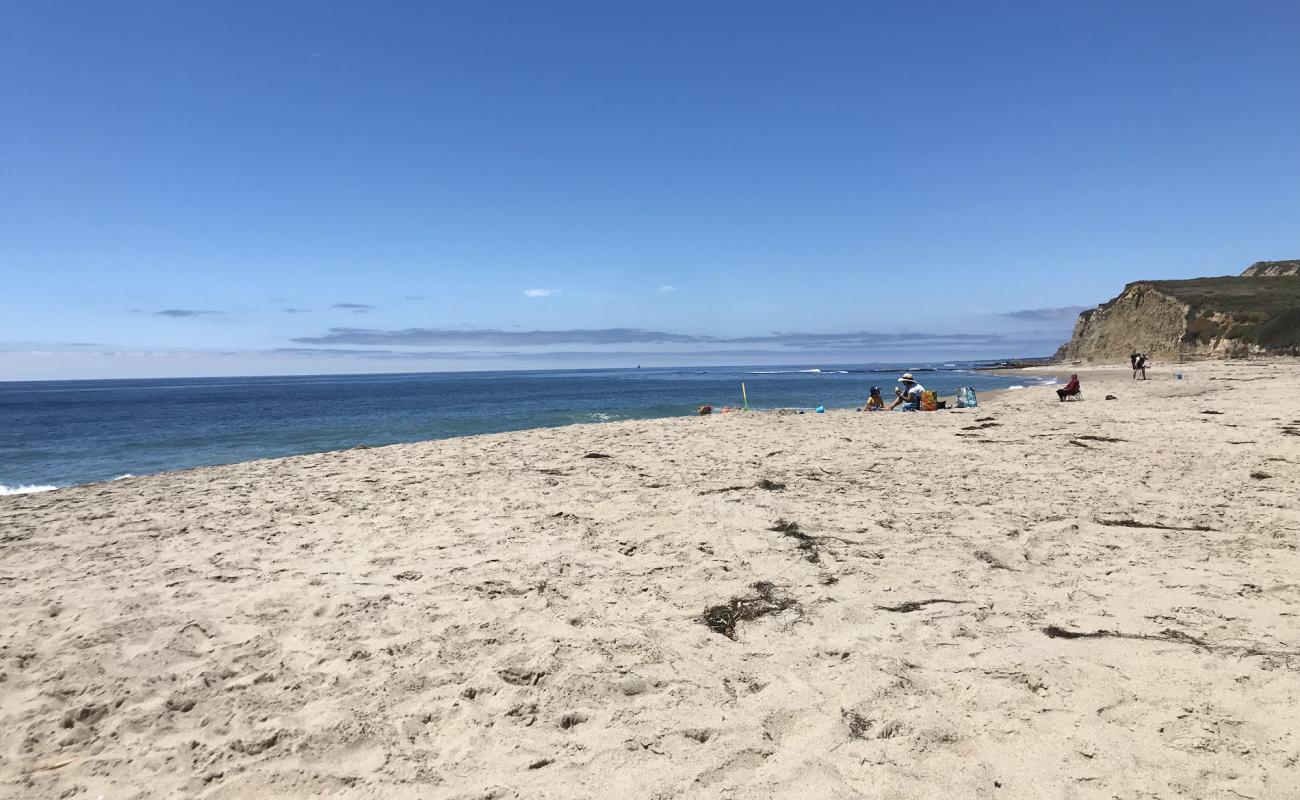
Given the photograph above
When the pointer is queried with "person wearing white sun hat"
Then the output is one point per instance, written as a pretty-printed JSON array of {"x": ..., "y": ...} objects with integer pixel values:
[{"x": 908, "y": 398}]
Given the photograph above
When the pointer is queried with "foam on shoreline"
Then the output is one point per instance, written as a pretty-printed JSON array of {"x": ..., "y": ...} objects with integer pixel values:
[{"x": 24, "y": 489}]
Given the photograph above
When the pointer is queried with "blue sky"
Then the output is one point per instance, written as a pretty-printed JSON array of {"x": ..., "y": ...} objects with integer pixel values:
[{"x": 245, "y": 188}]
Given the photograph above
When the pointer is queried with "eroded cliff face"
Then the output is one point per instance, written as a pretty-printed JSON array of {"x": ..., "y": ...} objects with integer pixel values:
[
  {"x": 1272, "y": 269},
  {"x": 1227, "y": 317},
  {"x": 1141, "y": 319}
]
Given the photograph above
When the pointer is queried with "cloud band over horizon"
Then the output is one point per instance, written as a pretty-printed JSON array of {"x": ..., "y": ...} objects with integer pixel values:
[{"x": 494, "y": 337}]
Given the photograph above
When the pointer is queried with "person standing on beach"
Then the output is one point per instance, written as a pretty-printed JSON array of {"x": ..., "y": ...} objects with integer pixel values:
[{"x": 1140, "y": 365}]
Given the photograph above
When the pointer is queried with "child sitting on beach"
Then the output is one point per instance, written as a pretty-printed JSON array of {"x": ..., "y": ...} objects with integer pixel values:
[{"x": 875, "y": 402}]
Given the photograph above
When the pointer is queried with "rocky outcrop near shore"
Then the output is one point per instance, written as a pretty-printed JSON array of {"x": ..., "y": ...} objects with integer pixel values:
[{"x": 1257, "y": 313}]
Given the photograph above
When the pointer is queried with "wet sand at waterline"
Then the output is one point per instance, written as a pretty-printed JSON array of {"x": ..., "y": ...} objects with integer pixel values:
[{"x": 1031, "y": 599}]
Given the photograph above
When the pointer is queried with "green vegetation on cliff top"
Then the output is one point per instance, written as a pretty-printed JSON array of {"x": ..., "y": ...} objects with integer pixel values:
[
  {"x": 1228, "y": 295},
  {"x": 1265, "y": 310}
]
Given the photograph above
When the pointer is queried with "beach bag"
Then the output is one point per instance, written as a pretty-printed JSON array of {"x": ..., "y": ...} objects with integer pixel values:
[
  {"x": 966, "y": 397},
  {"x": 929, "y": 401}
]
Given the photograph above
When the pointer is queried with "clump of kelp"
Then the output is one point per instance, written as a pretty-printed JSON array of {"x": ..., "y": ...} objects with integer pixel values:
[{"x": 764, "y": 600}]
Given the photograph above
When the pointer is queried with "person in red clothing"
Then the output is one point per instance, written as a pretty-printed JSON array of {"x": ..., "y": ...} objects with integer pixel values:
[{"x": 1071, "y": 389}]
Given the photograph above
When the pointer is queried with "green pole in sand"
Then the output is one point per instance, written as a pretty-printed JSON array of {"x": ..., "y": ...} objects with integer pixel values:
[{"x": 744, "y": 398}]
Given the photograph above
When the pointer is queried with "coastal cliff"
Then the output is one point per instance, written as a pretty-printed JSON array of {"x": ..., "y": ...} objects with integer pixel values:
[
  {"x": 1272, "y": 269},
  {"x": 1256, "y": 313}
]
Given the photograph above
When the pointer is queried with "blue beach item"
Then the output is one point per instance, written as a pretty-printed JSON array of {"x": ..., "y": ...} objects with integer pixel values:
[
  {"x": 820, "y": 409},
  {"x": 966, "y": 397}
]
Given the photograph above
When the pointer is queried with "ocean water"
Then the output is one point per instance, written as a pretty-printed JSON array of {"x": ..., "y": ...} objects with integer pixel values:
[{"x": 59, "y": 433}]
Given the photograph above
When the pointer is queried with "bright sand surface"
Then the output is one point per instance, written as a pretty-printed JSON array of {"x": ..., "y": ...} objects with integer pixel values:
[{"x": 511, "y": 616}]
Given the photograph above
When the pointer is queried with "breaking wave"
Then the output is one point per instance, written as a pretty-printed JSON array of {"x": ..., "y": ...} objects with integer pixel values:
[{"x": 24, "y": 489}]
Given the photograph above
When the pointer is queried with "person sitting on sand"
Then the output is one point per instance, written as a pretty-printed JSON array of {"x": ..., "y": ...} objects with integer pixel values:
[
  {"x": 1071, "y": 389},
  {"x": 875, "y": 402},
  {"x": 907, "y": 398}
]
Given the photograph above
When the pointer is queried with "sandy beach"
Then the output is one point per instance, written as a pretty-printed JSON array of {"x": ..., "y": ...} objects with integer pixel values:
[{"x": 1031, "y": 599}]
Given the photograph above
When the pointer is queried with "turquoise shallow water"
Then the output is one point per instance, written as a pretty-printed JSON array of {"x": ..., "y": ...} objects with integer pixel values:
[{"x": 60, "y": 433}]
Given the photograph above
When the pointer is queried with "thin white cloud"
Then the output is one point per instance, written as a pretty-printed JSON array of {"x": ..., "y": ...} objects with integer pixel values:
[
  {"x": 1063, "y": 314},
  {"x": 540, "y": 292},
  {"x": 184, "y": 313},
  {"x": 355, "y": 308},
  {"x": 666, "y": 289}
]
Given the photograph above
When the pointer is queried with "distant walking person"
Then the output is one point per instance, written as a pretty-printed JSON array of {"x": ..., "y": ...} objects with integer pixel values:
[
  {"x": 1133, "y": 362},
  {"x": 1140, "y": 366}
]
